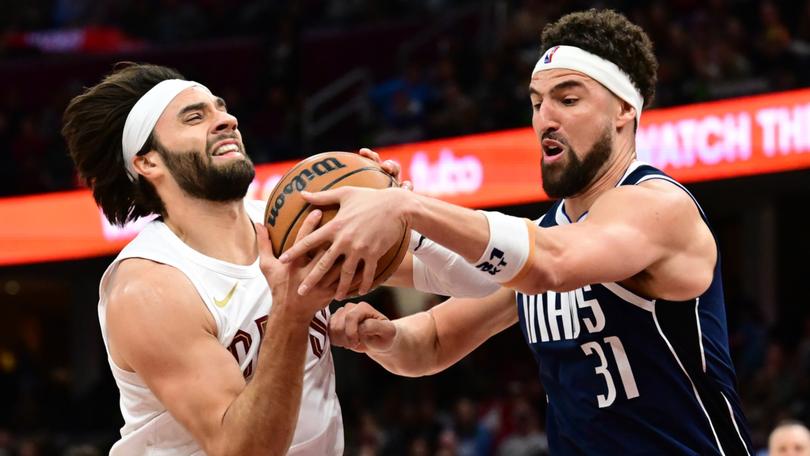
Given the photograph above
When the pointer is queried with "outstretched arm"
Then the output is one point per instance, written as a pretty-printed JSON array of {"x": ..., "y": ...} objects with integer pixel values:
[
  {"x": 426, "y": 342},
  {"x": 653, "y": 227}
]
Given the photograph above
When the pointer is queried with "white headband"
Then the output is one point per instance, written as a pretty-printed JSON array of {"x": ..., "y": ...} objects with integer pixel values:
[
  {"x": 603, "y": 71},
  {"x": 145, "y": 114}
]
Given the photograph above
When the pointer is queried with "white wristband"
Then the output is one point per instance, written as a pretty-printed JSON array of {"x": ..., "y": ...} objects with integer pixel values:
[
  {"x": 439, "y": 270},
  {"x": 508, "y": 248}
]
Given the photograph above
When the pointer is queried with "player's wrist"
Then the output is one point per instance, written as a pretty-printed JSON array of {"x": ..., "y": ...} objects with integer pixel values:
[
  {"x": 394, "y": 340},
  {"x": 407, "y": 206},
  {"x": 290, "y": 307},
  {"x": 508, "y": 248}
]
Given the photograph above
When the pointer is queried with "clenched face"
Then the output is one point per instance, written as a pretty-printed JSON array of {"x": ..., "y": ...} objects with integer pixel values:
[
  {"x": 572, "y": 117},
  {"x": 201, "y": 147}
]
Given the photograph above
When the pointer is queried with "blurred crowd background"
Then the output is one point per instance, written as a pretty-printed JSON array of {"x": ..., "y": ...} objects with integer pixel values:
[{"x": 311, "y": 75}]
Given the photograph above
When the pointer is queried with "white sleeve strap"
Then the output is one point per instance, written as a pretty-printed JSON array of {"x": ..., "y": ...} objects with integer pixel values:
[
  {"x": 439, "y": 270},
  {"x": 511, "y": 241},
  {"x": 416, "y": 241}
]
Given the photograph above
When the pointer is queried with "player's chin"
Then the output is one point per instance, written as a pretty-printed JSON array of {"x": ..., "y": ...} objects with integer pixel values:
[
  {"x": 241, "y": 162},
  {"x": 553, "y": 166}
]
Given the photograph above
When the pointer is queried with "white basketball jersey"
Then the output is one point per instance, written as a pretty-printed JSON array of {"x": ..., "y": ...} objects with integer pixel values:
[{"x": 239, "y": 299}]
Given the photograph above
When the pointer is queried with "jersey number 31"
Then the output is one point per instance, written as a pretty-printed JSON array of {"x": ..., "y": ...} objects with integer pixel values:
[{"x": 622, "y": 364}]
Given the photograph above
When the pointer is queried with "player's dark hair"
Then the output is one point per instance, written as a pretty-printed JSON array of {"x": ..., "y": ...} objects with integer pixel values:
[
  {"x": 611, "y": 36},
  {"x": 93, "y": 125}
]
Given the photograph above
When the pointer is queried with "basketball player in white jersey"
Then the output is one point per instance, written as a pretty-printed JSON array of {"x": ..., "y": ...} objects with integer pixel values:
[
  {"x": 617, "y": 289},
  {"x": 212, "y": 349}
]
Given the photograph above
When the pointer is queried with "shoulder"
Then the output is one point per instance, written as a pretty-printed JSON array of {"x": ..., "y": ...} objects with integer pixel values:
[
  {"x": 660, "y": 200},
  {"x": 139, "y": 277},
  {"x": 144, "y": 291},
  {"x": 657, "y": 210}
]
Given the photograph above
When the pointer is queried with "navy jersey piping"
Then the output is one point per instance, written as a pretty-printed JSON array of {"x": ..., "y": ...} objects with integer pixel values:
[{"x": 681, "y": 332}]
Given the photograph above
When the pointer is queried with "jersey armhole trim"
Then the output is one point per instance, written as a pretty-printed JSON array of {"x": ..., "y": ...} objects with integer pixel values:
[
  {"x": 198, "y": 287},
  {"x": 627, "y": 295},
  {"x": 677, "y": 184}
]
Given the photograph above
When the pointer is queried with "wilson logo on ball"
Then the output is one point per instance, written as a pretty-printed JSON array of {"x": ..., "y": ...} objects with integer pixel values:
[
  {"x": 287, "y": 209},
  {"x": 300, "y": 181}
]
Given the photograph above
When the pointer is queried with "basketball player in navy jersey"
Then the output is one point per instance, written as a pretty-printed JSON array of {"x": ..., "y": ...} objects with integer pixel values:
[{"x": 618, "y": 285}]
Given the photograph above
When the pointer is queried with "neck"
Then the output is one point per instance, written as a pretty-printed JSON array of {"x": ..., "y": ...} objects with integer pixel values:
[
  {"x": 607, "y": 178},
  {"x": 219, "y": 230}
]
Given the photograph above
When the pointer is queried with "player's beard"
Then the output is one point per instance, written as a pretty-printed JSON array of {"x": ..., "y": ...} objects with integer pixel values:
[
  {"x": 200, "y": 177},
  {"x": 576, "y": 174}
]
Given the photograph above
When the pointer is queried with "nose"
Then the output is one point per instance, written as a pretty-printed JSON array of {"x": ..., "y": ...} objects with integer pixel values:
[
  {"x": 225, "y": 122},
  {"x": 545, "y": 119}
]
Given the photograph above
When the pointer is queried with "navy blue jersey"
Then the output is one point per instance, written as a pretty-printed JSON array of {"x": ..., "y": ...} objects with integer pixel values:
[{"x": 625, "y": 375}]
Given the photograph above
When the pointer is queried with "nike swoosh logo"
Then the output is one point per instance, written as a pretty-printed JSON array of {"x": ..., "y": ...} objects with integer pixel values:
[{"x": 224, "y": 302}]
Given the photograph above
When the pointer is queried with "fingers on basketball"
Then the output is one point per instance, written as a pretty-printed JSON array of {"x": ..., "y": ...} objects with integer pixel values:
[{"x": 287, "y": 210}]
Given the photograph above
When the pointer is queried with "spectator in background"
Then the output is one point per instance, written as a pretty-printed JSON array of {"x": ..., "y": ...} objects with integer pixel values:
[
  {"x": 775, "y": 384},
  {"x": 272, "y": 116},
  {"x": 527, "y": 438},
  {"x": 28, "y": 151},
  {"x": 457, "y": 114},
  {"x": 802, "y": 37},
  {"x": 790, "y": 438},
  {"x": 403, "y": 102},
  {"x": 469, "y": 436},
  {"x": 6, "y": 442},
  {"x": 7, "y": 181},
  {"x": 707, "y": 50}
]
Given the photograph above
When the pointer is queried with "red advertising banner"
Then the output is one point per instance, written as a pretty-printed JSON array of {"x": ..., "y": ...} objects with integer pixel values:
[
  {"x": 81, "y": 39},
  {"x": 707, "y": 141}
]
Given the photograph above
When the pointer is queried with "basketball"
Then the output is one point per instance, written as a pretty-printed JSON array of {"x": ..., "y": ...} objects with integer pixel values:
[{"x": 286, "y": 208}]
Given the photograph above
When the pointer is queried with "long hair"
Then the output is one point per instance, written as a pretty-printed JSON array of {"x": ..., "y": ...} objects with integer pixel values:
[{"x": 93, "y": 124}]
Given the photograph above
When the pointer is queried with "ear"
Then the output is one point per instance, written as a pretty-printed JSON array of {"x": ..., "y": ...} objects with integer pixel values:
[
  {"x": 148, "y": 164},
  {"x": 626, "y": 114}
]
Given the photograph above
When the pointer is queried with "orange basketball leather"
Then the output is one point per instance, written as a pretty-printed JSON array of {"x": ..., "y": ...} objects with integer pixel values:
[{"x": 286, "y": 209}]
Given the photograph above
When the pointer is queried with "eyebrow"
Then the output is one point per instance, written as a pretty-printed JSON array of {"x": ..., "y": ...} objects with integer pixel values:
[
  {"x": 567, "y": 84},
  {"x": 218, "y": 101}
]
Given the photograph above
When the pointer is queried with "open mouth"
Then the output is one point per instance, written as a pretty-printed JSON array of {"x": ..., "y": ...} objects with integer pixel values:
[{"x": 552, "y": 148}]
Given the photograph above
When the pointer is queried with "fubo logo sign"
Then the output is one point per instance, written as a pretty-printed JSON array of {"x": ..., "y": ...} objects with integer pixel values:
[{"x": 448, "y": 176}]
